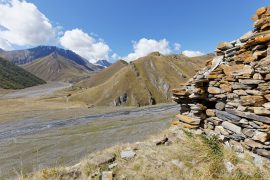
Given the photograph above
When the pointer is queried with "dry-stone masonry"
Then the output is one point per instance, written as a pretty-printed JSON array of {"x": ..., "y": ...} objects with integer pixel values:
[{"x": 230, "y": 97}]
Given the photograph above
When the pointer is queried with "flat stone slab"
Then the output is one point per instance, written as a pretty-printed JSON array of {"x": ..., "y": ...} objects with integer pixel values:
[
  {"x": 232, "y": 127},
  {"x": 227, "y": 116},
  {"x": 252, "y": 116},
  {"x": 127, "y": 154},
  {"x": 188, "y": 120}
]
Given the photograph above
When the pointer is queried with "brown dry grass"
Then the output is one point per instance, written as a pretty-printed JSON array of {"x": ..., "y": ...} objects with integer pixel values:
[
  {"x": 151, "y": 76},
  {"x": 201, "y": 158}
]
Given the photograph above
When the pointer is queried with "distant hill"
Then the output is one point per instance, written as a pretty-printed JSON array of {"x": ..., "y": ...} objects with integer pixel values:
[
  {"x": 103, "y": 75},
  {"x": 27, "y": 56},
  {"x": 14, "y": 77},
  {"x": 145, "y": 81},
  {"x": 103, "y": 63},
  {"x": 56, "y": 67}
]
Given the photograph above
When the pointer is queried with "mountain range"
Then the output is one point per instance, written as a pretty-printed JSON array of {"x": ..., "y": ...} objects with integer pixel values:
[
  {"x": 103, "y": 63},
  {"x": 52, "y": 63},
  {"x": 145, "y": 81},
  {"x": 27, "y": 56}
]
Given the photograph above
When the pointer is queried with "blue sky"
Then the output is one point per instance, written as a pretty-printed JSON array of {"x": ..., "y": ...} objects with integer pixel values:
[{"x": 196, "y": 25}]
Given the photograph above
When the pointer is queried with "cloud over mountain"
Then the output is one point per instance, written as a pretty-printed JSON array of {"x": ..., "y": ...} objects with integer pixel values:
[
  {"x": 22, "y": 24},
  {"x": 85, "y": 45},
  {"x": 190, "y": 53},
  {"x": 145, "y": 46}
]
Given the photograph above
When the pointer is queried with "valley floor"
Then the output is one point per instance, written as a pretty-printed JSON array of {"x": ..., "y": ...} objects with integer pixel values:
[{"x": 38, "y": 132}]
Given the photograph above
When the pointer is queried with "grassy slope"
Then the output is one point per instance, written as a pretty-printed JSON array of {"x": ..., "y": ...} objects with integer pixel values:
[
  {"x": 102, "y": 76},
  {"x": 56, "y": 68},
  {"x": 150, "y": 77},
  {"x": 188, "y": 156},
  {"x": 14, "y": 77}
]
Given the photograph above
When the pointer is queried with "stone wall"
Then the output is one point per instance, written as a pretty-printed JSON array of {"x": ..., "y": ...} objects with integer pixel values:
[{"x": 230, "y": 97}]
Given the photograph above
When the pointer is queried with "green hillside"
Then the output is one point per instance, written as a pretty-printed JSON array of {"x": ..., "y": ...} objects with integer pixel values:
[{"x": 14, "y": 77}]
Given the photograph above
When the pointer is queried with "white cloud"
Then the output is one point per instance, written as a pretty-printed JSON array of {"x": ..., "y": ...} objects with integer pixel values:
[
  {"x": 177, "y": 46},
  {"x": 4, "y": 44},
  {"x": 115, "y": 56},
  {"x": 85, "y": 45},
  {"x": 145, "y": 46},
  {"x": 23, "y": 24},
  {"x": 192, "y": 53}
]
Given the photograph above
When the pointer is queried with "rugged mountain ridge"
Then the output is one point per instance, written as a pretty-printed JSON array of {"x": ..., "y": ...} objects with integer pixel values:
[
  {"x": 14, "y": 77},
  {"x": 230, "y": 98},
  {"x": 56, "y": 67},
  {"x": 20, "y": 57},
  {"x": 145, "y": 81},
  {"x": 103, "y": 63}
]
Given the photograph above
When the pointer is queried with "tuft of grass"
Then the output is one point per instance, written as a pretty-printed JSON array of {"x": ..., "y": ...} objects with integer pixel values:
[{"x": 214, "y": 145}]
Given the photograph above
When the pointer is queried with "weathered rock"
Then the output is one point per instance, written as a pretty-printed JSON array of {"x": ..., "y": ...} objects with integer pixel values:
[
  {"x": 240, "y": 92},
  {"x": 188, "y": 120},
  {"x": 220, "y": 106},
  {"x": 215, "y": 90},
  {"x": 243, "y": 121},
  {"x": 261, "y": 111},
  {"x": 259, "y": 47},
  {"x": 252, "y": 100},
  {"x": 188, "y": 126},
  {"x": 263, "y": 153},
  {"x": 240, "y": 80},
  {"x": 210, "y": 112},
  {"x": 267, "y": 105},
  {"x": 224, "y": 46},
  {"x": 267, "y": 96},
  {"x": 260, "y": 11},
  {"x": 257, "y": 76},
  {"x": 245, "y": 57},
  {"x": 127, "y": 154},
  {"x": 250, "y": 81},
  {"x": 267, "y": 77},
  {"x": 237, "y": 85},
  {"x": 248, "y": 132},
  {"x": 253, "y": 144},
  {"x": 232, "y": 127},
  {"x": 226, "y": 87},
  {"x": 237, "y": 69},
  {"x": 249, "y": 116},
  {"x": 227, "y": 116},
  {"x": 259, "y": 54},
  {"x": 261, "y": 136},
  {"x": 221, "y": 130},
  {"x": 254, "y": 92}
]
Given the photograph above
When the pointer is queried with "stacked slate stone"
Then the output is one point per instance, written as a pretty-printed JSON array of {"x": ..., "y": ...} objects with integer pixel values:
[{"x": 230, "y": 97}]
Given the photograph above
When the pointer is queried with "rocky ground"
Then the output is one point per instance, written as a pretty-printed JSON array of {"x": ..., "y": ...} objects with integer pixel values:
[{"x": 174, "y": 154}]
